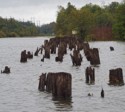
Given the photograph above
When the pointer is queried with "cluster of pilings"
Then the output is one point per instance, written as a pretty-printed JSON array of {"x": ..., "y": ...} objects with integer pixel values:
[
  {"x": 116, "y": 77},
  {"x": 62, "y": 45},
  {"x": 59, "y": 46},
  {"x": 25, "y": 55},
  {"x": 59, "y": 84}
]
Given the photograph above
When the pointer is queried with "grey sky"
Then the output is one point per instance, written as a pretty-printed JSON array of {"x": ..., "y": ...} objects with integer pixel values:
[{"x": 44, "y": 11}]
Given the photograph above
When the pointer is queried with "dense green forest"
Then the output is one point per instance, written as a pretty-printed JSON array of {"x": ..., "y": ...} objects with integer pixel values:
[
  {"x": 47, "y": 29},
  {"x": 92, "y": 22},
  {"x": 13, "y": 28}
]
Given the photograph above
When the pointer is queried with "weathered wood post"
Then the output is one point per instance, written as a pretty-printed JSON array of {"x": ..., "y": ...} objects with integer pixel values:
[
  {"x": 76, "y": 58},
  {"x": 29, "y": 55},
  {"x": 116, "y": 77},
  {"x": 6, "y": 70},
  {"x": 23, "y": 56},
  {"x": 92, "y": 55},
  {"x": 95, "y": 59},
  {"x": 53, "y": 48},
  {"x": 49, "y": 79},
  {"x": 42, "y": 82},
  {"x": 90, "y": 75},
  {"x": 36, "y": 52},
  {"x": 96, "y": 52},
  {"x": 47, "y": 52},
  {"x": 111, "y": 48},
  {"x": 60, "y": 84},
  {"x": 63, "y": 85}
]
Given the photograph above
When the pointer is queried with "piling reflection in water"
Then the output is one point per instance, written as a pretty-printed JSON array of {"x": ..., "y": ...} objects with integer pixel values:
[
  {"x": 62, "y": 104},
  {"x": 59, "y": 84}
]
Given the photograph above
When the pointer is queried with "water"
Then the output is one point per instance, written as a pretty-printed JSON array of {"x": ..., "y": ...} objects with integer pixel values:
[{"x": 19, "y": 89}]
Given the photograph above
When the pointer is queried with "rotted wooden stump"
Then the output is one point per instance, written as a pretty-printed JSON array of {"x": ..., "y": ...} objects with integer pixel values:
[
  {"x": 76, "y": 58},
  {"x": 37, "y": 51},
  {"x": 111, "y": 48},
  {"x": 59, "y": 58},
  {"x": 6, "y": 70},
  {"x": 90, "y": 75},
  {"x": 47, "y": 52},
  {"x": 29, "y": 55},
  {"x": 23, "y": 56},
  {"x": 42, "y": 82},
  {"x": 116, "y": 77},
  {"x": 92, "y": 55},
  {"x": 57, "y": 83}
]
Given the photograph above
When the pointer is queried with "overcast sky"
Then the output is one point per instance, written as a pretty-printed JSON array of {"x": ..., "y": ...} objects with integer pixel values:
[{"x": 40, "y": 11}]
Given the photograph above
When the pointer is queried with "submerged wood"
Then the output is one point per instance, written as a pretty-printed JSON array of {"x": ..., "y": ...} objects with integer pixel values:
[
  {"x": 23, "y": 56},
  {"x": 59, "y": 84},
  {"x": 37, "y": 51},
  {"x": 76, "y": 58},
  {"x": 47, "y": 52},
  {"x": 62, "y": 50},
  {"x": 90, "y": 75},
  {"x": 111, "y": 48},
  {"x": 42, "y": 82},
  {"x": 6, "y": 70},
  {"x": 116, "y": 77},
  {"x": 92, "y": 55},
  {"x": 29, "y": 55},
  {"x": 43, "y": 58}
]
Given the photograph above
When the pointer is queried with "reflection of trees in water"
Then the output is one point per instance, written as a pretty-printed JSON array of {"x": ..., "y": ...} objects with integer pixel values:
[{"x": 62, "y": 104}]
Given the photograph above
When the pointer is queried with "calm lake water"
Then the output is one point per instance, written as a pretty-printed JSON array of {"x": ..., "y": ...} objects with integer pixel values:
[{"x": 19, "y": 89}]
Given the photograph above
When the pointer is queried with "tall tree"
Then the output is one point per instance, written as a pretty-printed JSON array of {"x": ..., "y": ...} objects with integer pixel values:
[{"x": 119, "y": 26}]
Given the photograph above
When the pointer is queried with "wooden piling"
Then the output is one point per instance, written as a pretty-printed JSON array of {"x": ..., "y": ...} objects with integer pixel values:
[
  {"x": 92, "y": 55},
  {"x": 6, "y": 70},
  {"x": 23, "y": 56},
  {"x": 57, "y": 83},
  {"x": 111, "y": 48},
  {"x": 116, "y": 77},
  {"x": 90, "y": 75},
  {"x": 42, "y": 82},
  {"x": 37, "y": 51}
]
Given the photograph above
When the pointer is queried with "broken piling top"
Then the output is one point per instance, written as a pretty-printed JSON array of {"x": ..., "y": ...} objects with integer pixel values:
[
  {"x": 60, "y": 84},
  {"x": 116, "y": 77}
]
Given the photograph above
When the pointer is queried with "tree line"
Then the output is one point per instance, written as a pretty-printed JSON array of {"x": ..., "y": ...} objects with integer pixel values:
[
  {"x": 92, "y": 22},
  {"x": 14, "y": 28}
]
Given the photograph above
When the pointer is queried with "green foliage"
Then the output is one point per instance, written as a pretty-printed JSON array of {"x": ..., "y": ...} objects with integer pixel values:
[
  {"x": 12, "y": 34},
  {"x": 13, "y": 28},
  {"x": 2, "y": 34},
  {"x": 89, "y": 17},
  {"x": 47, "y": 29},
  {"x": 66, "y": 20},
  {"x": 119, "y": 26}
]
